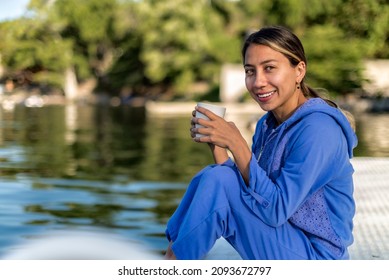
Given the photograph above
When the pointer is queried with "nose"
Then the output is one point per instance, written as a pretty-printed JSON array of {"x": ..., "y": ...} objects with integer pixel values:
[{"x": 259, "y": 80}]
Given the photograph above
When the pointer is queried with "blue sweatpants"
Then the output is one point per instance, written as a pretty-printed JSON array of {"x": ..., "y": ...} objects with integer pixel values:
[{"x": 212, "y": 207}]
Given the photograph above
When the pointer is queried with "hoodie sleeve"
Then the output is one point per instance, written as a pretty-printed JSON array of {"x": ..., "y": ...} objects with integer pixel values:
[{"x": 315, "y": 150}]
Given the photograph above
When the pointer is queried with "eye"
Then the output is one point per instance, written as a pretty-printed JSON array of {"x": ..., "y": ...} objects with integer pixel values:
[
  {"x": 249, "y": 72},
  {"x": 269, "y": 68}
]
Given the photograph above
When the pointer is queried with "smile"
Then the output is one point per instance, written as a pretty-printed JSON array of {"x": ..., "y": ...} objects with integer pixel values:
[{"x": 267, "y": 94}]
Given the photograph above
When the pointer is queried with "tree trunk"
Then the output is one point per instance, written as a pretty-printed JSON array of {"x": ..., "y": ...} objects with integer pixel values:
[{"x": 71, "y": 84}]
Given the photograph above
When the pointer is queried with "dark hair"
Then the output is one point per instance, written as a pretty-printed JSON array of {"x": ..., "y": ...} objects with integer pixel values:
[{"x": 284, "y": 41}]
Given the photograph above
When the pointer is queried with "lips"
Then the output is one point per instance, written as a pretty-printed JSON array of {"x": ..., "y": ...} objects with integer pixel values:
[{"x": 265, "y": 96}]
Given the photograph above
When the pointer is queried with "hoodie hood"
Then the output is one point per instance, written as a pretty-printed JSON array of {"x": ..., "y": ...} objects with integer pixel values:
[{"x": 315, "y": 105}]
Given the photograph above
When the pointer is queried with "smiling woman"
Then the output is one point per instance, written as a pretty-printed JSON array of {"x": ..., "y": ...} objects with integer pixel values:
[
  {"x": 285, "y": 198},
  {"x": 273, "y": 82}
]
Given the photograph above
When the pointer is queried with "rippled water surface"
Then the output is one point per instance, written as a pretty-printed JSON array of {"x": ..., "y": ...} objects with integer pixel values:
[{"x": 101, "y": 168}]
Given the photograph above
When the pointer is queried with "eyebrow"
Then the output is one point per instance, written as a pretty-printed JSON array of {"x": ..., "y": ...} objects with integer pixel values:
[{"x": 263, "y": 62}]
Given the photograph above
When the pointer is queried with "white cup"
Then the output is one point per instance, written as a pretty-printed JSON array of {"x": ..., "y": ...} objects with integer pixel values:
[{"x": 216, "y": 109}]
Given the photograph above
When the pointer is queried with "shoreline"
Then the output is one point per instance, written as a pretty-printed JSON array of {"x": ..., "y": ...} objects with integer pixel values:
[
  {"x": 183, "y": 108},
  {"x": 351, "y": 103}
]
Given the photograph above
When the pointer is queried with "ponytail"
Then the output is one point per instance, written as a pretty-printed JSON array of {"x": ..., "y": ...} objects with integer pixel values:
[{"x": 312, "y": 93}]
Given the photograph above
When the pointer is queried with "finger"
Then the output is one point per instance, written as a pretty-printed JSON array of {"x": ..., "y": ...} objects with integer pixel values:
[
  {"x": 199, "y": 134},
  {"x": 202, "y": 139},
  {"x": 204, "y": 122},
  {"x": 193, "y": 132},
  {"x": 192, "y": 123},
  {"x": 196, "y": 130},
  {"x": 200, "y": 122},
  {"x": 205, "y": 132},
  {"x": 207, "y": 113},
  {"x": 194, "y": 120}
]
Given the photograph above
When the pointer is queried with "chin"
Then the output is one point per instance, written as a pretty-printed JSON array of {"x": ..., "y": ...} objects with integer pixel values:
[{"x": 266, "y": 106}]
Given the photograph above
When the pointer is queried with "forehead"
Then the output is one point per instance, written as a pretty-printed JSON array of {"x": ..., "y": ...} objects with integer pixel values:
[{"x": 259, "y": 54}]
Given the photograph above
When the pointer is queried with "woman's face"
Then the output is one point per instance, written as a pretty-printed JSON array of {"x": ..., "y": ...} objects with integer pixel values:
[{"x": 272, "y": 80}]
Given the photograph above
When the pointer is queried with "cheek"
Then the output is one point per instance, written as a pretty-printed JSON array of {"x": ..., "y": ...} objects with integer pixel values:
[
  {"x": 282, "y": 81},
  {"x": 278, "y": 78},
  {"x": 248, "y": 82}
]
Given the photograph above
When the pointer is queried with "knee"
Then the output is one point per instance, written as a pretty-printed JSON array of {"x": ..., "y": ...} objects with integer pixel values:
[
  {"x": 220, "y": 176},
  {"x": 217, "y": 187}
]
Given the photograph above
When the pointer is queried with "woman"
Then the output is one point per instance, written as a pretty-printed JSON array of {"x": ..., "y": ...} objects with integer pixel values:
[{"x": 291, "y": 195}]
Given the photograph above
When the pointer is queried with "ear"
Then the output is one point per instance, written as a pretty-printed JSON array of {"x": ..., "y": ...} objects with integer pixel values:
[{"x": 300, "y": 71}]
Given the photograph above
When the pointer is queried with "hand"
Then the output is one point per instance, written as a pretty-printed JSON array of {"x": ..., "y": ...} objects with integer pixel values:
[
  {"x": 221, "y": 135},
  {"x": 217, "y": 131}
]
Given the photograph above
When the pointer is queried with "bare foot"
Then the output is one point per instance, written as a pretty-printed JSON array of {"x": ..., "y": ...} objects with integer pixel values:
[{"x": 169, "y": 253}]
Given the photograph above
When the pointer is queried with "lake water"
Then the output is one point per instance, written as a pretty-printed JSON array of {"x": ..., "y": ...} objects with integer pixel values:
[{"x": 113, "y": 169}]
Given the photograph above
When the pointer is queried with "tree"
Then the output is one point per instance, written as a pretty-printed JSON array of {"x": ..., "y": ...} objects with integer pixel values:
[
  {"x": 163, "y": 48},
  {"x": 63, "y": 42},
  {"x": 334, "y": 61},
  {"x": 31, "y": 47},
  {"x": 182, "y": 42},
  {"x": 369, "y": 21}
]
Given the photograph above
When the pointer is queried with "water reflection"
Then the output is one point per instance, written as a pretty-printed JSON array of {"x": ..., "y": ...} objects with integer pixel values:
[
  {"x": 94, "y": 167},
  {"x": 100, "y": 143},
  {"x": 373, "y": 135}
]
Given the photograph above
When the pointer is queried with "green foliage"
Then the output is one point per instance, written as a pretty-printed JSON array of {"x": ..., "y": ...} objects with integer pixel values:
[
  {"x": 173, "y": 43},
  {"x": 367, "y": 20},
  {"x": 179, "y": 41},
  {"x": 298, "y": 14},
  {"x": 166, "y": 46},
  {"x": 334, "y": 62}
]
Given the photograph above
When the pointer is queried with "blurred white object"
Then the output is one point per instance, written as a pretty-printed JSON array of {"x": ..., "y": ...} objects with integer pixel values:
[
  {"x": 34, "y": 101},
  {"x": 8, "y": 104},
  {"x": 66, "y": 245}
]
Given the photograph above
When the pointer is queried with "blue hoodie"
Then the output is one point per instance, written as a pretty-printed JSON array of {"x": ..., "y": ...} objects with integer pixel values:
[{"x": 300, "y": 172}]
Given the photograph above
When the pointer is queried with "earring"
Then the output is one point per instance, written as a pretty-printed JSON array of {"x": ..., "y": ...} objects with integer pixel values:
[{"x": 298, "y": 86}]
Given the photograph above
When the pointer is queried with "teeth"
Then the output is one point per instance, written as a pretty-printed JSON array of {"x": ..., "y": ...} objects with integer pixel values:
[{"x": 266, "y": 94}]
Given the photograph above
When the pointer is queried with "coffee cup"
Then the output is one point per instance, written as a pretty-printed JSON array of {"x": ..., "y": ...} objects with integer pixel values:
[{"x": 216, "y": 109}]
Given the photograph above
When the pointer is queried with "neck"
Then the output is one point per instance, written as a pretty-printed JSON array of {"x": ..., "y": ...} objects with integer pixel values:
[{"x": 282, "y": 115}]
